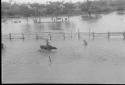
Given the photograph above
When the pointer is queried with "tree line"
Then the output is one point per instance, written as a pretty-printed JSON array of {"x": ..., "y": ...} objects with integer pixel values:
[{"x": 61, "y": 8}]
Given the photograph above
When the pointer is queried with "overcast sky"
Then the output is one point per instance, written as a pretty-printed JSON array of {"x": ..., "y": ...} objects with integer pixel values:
[{"x": 40, "y": 1}]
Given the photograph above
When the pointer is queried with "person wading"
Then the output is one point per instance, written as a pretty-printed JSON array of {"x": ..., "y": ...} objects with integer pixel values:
[
  {"x": 47, "y": 43},
  {"x": 85, "y": 43}
]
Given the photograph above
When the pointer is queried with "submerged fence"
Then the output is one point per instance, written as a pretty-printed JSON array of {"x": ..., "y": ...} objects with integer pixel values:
[{"x": 63, "y": 35}]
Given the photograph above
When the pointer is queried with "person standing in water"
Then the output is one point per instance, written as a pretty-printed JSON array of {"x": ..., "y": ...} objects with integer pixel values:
[
  {"x": 85, "y": 43},
  {"x": 47, "y": 42}
]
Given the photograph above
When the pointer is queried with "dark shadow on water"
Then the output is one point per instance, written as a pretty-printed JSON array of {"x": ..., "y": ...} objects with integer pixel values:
[
  {"x": 39, "y": 27},
  {"x": 69, "y": 26},
  {"x": 4, "y": 49},
  {"x": 91, "y": 19},
  {"x": 55, "y": 26},
  {"x": 47, "y": 52}
]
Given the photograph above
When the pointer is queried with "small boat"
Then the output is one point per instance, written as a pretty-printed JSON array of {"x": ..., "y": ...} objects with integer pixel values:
[{"x": 47, "y": 47}]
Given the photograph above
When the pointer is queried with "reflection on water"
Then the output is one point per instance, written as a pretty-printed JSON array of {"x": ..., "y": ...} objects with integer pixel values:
[
  {"x": 23, "y": 61},
  {"x": 107, "y": 23},
  {"x": 55, "y": 26},
  {"x": 26, "y": 28},
  {"x": 47, "y": 52},
  {"x": 4, "y": 50},
  {"x": 38, "y": 27}
]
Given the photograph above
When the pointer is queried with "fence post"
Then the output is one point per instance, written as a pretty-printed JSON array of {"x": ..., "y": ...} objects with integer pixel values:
[
  {"x": 36, "y": 36},
  {"x": 22, "y": 35},
  {"x": 10, "y": 36},
  {"x": 50, "y": 35},
  {"x": 78, "y": 35},
  {"x": 108, "y": 35},
  {"x": 123, "y": 35},
  {"x": 89, "y": 35},
  {"x": 64, "y": 35},
  {"x": 50, "y": 59},
  {"x": 71, "y": 35},
  {"x": 93, "y": 35}
]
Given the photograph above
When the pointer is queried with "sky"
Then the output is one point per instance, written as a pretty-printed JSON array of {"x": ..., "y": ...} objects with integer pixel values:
[{"x": 40, "y": 1}]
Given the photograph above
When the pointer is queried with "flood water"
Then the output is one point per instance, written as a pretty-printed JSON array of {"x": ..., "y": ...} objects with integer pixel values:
[
  {"x": 107, "y": 23},
  {"x": 101, "y": 62}
]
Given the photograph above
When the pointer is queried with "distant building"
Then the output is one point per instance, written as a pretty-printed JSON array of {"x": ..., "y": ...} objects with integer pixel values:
[{"x": 60, "y": 19}]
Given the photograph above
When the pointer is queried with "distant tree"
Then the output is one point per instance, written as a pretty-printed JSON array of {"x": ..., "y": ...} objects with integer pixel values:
[
  {"x": 61, "y": 8},
  {"x": 54, "y": 8},
  {"x": 69, "y": 8}
]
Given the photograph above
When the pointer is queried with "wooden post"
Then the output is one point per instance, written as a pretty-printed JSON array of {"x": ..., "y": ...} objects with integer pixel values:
[
  {"x": 108, "y": 35},
  {"x": 123, "y": 35},
  {"x": 93, "y": 35},
  {"x": 50, "y": 36},
  {"x": 78, "y": 35},
  {"x": 49, "y": 59},
  {"x": 64, "y": 35},
  {"x": 89, "y": 35},
  {"x": 71, "y": 35},
  {"x": 10, "y": 36},
  {"x": 36, "y": 36},
  {"x": 27, "y": 19},
  {"x": 22, "y": 35}
]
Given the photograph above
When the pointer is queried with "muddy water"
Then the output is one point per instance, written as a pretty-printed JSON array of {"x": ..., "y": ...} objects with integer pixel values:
[
  {"x": 101, "y": 62},
  {"x": 107, "y": 23}
]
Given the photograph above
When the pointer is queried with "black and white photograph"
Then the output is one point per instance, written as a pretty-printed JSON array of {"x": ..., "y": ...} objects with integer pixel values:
[{"x": 63, "y": 41}]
